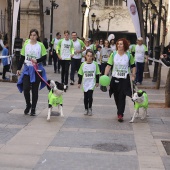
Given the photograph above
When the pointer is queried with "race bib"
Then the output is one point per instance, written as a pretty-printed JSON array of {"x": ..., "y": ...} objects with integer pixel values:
[
  {"x": 120, "y": 71},
  {"x": 89, "y": 74},
  {"x": 105, "y": 58}
]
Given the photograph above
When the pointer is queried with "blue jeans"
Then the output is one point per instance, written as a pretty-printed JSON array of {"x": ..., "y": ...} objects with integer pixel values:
[{"x": 139, "y": 72}]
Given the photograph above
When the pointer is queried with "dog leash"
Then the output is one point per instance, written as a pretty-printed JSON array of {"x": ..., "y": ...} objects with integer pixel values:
[{"x": 36, "y": 69}]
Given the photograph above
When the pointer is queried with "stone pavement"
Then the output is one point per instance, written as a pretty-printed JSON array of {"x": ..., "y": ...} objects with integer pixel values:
[{"x": 78, "y": 142}]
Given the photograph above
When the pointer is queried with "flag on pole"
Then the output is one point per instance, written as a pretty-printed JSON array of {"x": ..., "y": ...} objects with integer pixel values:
[
  {"x": 134, "y": 15},
  {"x": 15, "y": 17}
]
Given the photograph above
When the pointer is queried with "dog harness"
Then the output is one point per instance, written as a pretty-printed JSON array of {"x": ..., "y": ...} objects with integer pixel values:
[
  {"x": 145, "y": 101},
  {"x": 54, "y": 100}
]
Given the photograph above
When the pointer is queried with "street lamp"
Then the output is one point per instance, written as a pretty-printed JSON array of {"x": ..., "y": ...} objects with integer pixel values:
[
  {"x": 93, "y": 18},
  {"x": 84, "y": 6},
  {"x": 48, "y": 12},
  {"x": 97, "y": 23}
]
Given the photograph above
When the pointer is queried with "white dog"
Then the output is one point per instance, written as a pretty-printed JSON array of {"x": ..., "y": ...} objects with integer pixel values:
[
  {"x": 141, "y": 101},
  {"x": 55, "y": 97}
]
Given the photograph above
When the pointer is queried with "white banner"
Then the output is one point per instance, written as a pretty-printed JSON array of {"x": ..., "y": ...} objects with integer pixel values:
[
  {"x": 134, "y": 15},
  {"x": 15, "y": 17}
]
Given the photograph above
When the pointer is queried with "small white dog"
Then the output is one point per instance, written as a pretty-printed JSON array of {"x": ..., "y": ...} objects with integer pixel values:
[
  {"x": 55, "y": 97},
  {"x": 141, "y": 101}
]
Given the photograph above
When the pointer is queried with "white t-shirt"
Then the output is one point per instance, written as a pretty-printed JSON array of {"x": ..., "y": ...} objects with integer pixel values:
[
  {"x": 140, "y": 53},
  {"x": 84, "y": 54},
  {"x": 113, "y": 47},
  {"x": 98, "y": 58},
  {"x": 77, "y": 47},
  {"x": 89, "y": 72},
  {"x": 30, "y": 51},
  {"x": 105, "y": 53},
  {"x": 121, "y": 64},
  {"x": 65, "y": 49},
  {"x": 55, "y": 43}
]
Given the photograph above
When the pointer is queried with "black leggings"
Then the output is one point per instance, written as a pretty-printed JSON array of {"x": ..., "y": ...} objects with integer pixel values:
[
  {"x": 56, "y": 61},
  {"x": 27, "y": 86},
  {"x": 88, "y": 99},
  {"x": 65, "y": 70},
  {"x": 5, "y": 69}
]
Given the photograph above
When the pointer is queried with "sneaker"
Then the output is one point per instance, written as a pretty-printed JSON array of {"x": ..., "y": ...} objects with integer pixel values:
[
  {"x": 32, "y": 112},
  {"x": 90, "y": 112},
  {"x": 27, "y": 110},
  {"x": 120, "y": 118},
  {"x": 72, "y": 82},
  {"x": 86, "y": 112}
]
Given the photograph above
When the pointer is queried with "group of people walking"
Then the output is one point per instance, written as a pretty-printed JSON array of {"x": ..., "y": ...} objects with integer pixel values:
[{"x": 89, "y": 60}]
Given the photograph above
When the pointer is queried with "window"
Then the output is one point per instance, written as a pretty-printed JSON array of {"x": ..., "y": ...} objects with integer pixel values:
[
  {"x": 118, "y": 2},
  {"x": 108, "y": 2},
  {"x": 113, "y": 2}
]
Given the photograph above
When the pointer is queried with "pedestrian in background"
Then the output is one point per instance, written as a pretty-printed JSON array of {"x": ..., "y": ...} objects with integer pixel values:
[
  {"x": 56, "y": 60},
  {"x": 79, "y": 47},
  {"x": 104, "y": 56},
  {"x": 101, "y": 43},
  {"x": 98, "y": 56},
  {"x": 1, "y": 45},
  {"x": 33, "y": 53},
  {"x": 140, "y": 52},
  {"x": 89, "y": 77},
  {"x": 120, "y": 84},
  {"x": 5, "y": 61},
  {"x": 65, "y": 50}
]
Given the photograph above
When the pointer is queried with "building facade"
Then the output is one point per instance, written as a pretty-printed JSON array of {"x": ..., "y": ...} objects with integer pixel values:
[{"x": 67, "y": 16}]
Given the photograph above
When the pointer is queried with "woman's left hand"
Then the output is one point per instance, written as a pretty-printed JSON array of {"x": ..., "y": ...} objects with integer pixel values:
[
  {"x": 34, "y": 60},
  {"x": 133, "y": 77},
  {"x": 97, "y": 84}
]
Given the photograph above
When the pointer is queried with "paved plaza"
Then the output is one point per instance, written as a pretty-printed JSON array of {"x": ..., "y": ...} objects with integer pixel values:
[{"x": 78, "y": 142}]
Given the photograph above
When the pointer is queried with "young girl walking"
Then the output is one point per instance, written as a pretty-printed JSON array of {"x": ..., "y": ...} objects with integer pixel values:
[{"x": 89, "y": 77}]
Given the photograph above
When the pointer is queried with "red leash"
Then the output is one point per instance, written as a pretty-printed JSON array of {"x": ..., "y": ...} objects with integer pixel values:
[{"x": 36, "y": 69}]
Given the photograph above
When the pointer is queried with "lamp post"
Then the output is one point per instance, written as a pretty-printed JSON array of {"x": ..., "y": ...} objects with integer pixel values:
[
  {"x": 84, "y": 6},
  {"x": 48, "y": 12},
  {"x": 97, "y": 23},
  {"x": 93, "y": 18},
  {"x": 152, "y": 32}
]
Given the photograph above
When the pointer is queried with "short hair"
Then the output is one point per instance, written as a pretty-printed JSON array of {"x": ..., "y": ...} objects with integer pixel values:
[
  {"x": 58, "y": 33},
  {"x": 89, "y": 51},
  {"x": 74, "y": 32},
  {"x": 66, "y": 31},
  {"x": 125, "y": 43},
  {"x": 5, "y": 42}
]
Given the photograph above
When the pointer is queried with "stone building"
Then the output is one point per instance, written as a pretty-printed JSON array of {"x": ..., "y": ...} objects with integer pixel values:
[
  {"x": 114, "y": 18},
  {"x": 68, "y": 16}
]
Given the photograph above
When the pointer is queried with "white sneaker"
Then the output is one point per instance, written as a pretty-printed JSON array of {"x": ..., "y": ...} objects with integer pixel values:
[
  {"x": 86, "y": 112},
  {"x": 90, "y": 112}
]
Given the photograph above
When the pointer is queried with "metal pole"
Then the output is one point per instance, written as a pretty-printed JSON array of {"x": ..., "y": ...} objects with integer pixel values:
[
  {"x": 152, "y": 39},
  {"x": 82, "y": 25},
  {"x": 146, "y": 19},
  {"x": 51, "y": 34},
  {"x": 157, "y": 47},
  {"x": 18, "y": 24}
]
